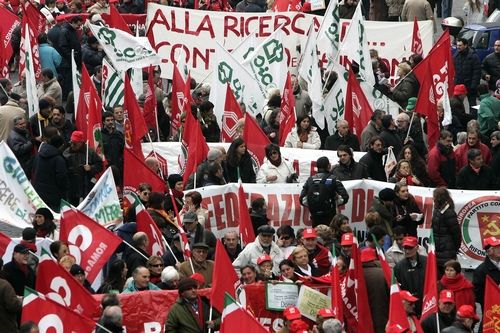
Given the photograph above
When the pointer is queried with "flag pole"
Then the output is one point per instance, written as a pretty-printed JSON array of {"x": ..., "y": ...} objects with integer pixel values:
[
  {"x": 133, "y": 248},
  {"x": 40, "y": 126},
  {"x": 437, "y": 321},
  {"x": 409, "y": 126},
  {"x": 102, "y": 327},
  {"x": 87, "y": 153},
  {"x": 210, "y": 313},
  {"x": 169, "y": 249}
]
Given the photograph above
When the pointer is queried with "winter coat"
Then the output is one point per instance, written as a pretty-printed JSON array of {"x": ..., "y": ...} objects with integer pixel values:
[
  {"x": 49, "y": 57},
  {"x": 378, "y": 10},
  {"x": 113, "y": 144},
  {"x": 491, "y": 66},
  {"x": 283, "y": 171},
  {"x": 408, "y": 87},
  {"x": 66, "y": 129},
  {"x": 372, "y": 161},
  {"x": 50, "y": 175},
  {"x": 421, "y": 9},
  {"x": 386, "y": 215},
  {"x": 134, "y": 259},
  {"x": 8, "y": 112},
  {"x": 132, "y": 288},
  {"x": 488, "y": 115},
  {"x": 253, "y": 251},
  {"x": 313, "y": 140},
  {"x": 68, "y": 41},
  {"x": 495, "y": 161},
  {"x": 181, "y": 318},
  {"x": 378, "y": 294},
  {"x": 429, "y": 324},
  {"x": 467, "y": 69},
  {"x": 10, "y": 307},
  {"x": 463, "y": 149},
  {"x": 456, "y": 327},
  {"x": 394, "y": 254},
  {"x": 334, "y": 141},
  {"x": 20, "y": 144},
  {"x": 166, "y": 226},
  {"x": 346, "y": 11},
  {"x": 321, "y": 259},
  {"x": 352, "y": 171},
  {"x": 462, "y": 288},
  {"x": 368, "y": 133},
  {"x": 404, "y": 208},
  {"x": 247, "y": 172},
  {"x": 447, "y": 235},
  {"x": 458, "y": 110},
  {"x": 17, "y": 278},
  {"x": 391, "y": 138},
  {"x": 206, "y": 269},
  {"x": 412, "y": 278},
  {"x": 487, "y": 268},
  {"x": 394, "y": 7},
  {"x": 468, "y": 179},
  {"x": 441, "y": 168},
  {"x": 91, "y": 58}
]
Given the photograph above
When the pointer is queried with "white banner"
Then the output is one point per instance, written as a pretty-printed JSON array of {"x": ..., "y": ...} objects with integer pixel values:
[
  {"x": 192, "y": 35},
  {"x": 102, "y": 203},
  {"x": 18, "y": 199}
]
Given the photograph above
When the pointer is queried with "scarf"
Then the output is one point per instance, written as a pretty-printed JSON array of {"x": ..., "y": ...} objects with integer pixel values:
[
  {"x": 409, "y": 179},
  {"x": 177, "y": 194},
  {"x": 276, "y": 163},
  {"x": 165, "y": 216},
  {"x": 303, "y": 136},
  {"x": 457, "y": 283}
]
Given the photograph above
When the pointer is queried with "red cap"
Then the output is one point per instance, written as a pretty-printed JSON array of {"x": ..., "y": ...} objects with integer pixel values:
[
  {"x": 326, "y": 313},
  {"x": 368, "y": 254},
  {"x": 460, "y": 89},
  {"x": 467, "y": 311},
  {"x": 410, "y": 241},
  {"x": 491, "y": 241},
  {"x": 347, "y": 239},
  {"x": 263, "y": 258},
  {"x": 309, "y": 233},
  {"x": 77, "y": 136},
  {"x": 447, "y": 296},
  {"x": 291, "y": 313},
  {"x": 405, "y": 295},
  {"x": 199, "y": 278}
]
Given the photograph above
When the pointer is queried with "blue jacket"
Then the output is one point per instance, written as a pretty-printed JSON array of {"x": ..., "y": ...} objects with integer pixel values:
[{"x": 49, "y": 57}]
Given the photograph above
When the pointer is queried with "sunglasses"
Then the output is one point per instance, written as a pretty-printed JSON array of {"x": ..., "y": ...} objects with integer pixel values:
[
  {"x": 157, "y": 265},
  {"x": 146, "y": 193}
]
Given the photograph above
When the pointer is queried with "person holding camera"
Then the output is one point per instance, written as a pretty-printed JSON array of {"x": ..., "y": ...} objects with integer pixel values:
[{"x": 275, "y": 169}]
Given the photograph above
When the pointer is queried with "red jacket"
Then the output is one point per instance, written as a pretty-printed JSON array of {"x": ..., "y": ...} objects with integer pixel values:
[
  {"x": 462, "y": 288},
  {"x": 438, "y": 163},
  {"x": 461, "y": 154},
  {"x": 321, "y": 259}
]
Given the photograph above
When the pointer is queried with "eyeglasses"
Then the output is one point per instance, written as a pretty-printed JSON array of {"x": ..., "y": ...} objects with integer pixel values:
[
  {"x": 157, "y": 265},
  {"x": 146, "y": 193}
]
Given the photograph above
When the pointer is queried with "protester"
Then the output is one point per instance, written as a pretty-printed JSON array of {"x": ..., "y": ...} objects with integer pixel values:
[
  {"x": 137, "y": 256},
  {"x": 319, "y": 256},
  {"x": 59, "y": 249},
  {"x": 489, "y": 267},
  {"x": 115, "y": 280},
  {"x": 467, "y": 69},
  {"x": 258, "y": 214},
  {"x": 111, "y": 320},
  {"x": 409, "y": 305},
  {"x": 275, "y": 169},
  {"x": 417, "y": 163},
  {"x": 249, "y": 274},
  {"x": 232, "y": 244},
  {"x": 389, "y": 135},
  {"x": 169, "y": 279},
  {"x": 199, "y": 263},
  {"x": 176, "y": 185},
  {"x": 441, "y": 164},
  {"x": 403, "y": 174},
  {"x": 290, "y": 314},
  {"x": 465, "y": 321},
  {"x": 342, "y": 137},
  {"x": 372, "y": 160},
  {"x": 17, "y": 272},
  {"x": 303, "y": 135},
  {"x": 383, "y": 205},
  {"x": 473, "y": 142},
  {"x": 446, "y": 313},
  {"x": 371, "y": 130},
  {"x": 348, "y": 168},
  {"x": 239, "y": 163},
  {"x": 476, "y": 175},
  {"x": 322, "y": 315},
  {"x": 197, "y": 233},
  {"x": 396, "y": 253},
  {"x": 165, "y": 223},
  {"x": 49, "y": 86},
  {"x": 455, "y": 281},
  {"x": 140, "y": 281},
  {"x": 10, "y": 305},
  {"x": 44, "y": 224},
  {"x": 405, "y": 210},
  {"x": 79, "y": 274},
  {"x": 155, "y": 266},
  {"x": 407, "y": 85}
]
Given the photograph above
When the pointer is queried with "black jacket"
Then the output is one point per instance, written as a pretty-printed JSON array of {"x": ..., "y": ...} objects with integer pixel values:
[
  {"x": 445, "y": 320},
  {"x": 50, "y": 175},
  {"x": 491, "y": 66},
  {"x": 468, "y": 179},
  {"x": 467, "y": 69},
  {"x": 203, "y": 235},
  {"x": 336, "y": 189},
  {"x": 372, "y": 161},
  {"x": 391, "y": 138},
  {"x": 349, "y": 172},
  {"x": 91, "y": 58},
  {"x": 68, "y": 40},
  {"x": 456, "y": 327},
  {"x": 334, "y": 141},
  {"x": 404, "y": 208},
  {"x": 20, "y": 144},
  {"x": 247, "y": 172},
  {"x": 487, "y": 268},
  {"x": 134, "y": 259},
  {"x": 412, "y": 278},
  {"x": 113, "y": 144},
  {"x": 406, "y": 89},
  {"x": 17, "y": 278},
  {"x": 447, "y": 235}
]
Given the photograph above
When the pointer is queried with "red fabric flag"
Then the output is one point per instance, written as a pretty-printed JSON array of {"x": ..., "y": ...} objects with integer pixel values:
[
  {"x": 135, "y": 126},
  {"x": 416, "y": 41},
  {"x": 223, "y": 279},
  {"x": 135, "y": 171},
  {"x": 232, "y": 113},
  {"x": 115, "y": 20},
  {"x": 237, "y": 319},
  {"x": 146, "y": 224},
  {"x": 398, "y": 322},
  {"x": 430, "y": 298},
  {"x": 61, "y": 287},
  {"x": 8, "y": 23},
  {"x": 150, "y": 102},
  {"x": 177, "y": 102},
  {"x": 427, "y": 107},
  {"x": 186, "y": 250},
  {"x": 383, "y": 262},
  {"x": 89, "y": 242},
  {"x": 55, "y": 317},
  {"x": 255, "y": 139},
  {"x": 287, "y": 113},
  {"x": 247, "y": 234},
  {"x": 36, "y": 23},
  {"x": 287, "y": 6},
  {"x": 82, "y": 114},
  {"x": 94, "y": 124},
  {"x": 491, "y": 312},
  {"x": 357, "y": 109},
  {"x": 337, "y": 302}
]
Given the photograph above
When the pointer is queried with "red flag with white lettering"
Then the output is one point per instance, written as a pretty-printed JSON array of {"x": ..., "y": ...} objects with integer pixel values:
[
  {"x": 247, "y": 234},
  {"x": 416, "y": 41},
  {"x": 430, "y": 299},
  {"x": 337, "y": 302},
  {"x": 232, "y": 113},
  {"x": 89, "y": 242},
  {"x": 61, "y": 287},
  {"x": 357, "y": 111},
  {"x": 427, "y": 106},
  {"x": 84, "y": 103},
  {"x": 51, "y": 316},
  {"x": 135, "y": 126},
  {"x": 8, "y": 23},
  {"x": 255, "y": 139},
  {"x": 287, "y": 112},
  {"x": 36, "y": 25}
]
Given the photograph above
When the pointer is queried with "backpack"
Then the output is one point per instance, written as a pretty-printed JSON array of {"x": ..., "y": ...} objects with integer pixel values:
[{"x": 319, "y": 195}]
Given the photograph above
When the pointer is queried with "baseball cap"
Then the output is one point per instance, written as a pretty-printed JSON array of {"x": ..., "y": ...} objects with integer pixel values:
[
  {"x": 20, "y": 248},
  {"x": 405, "y": 295},
  {"x": 347, "y": 239},
  {"x": 368, "y": 254},
  {"x": 447, "y": 296},
  {"x": 326, "y": 313},
  {"x": 309, "y": 233},
  {"x": 491, "y": 241},
  {"x": 467, "y": 311},
  {"x": 410, "y": 241},
  {"x": 190, "y": 217},
  {"x": 263, "y": 258},
  {"x": 77, "y": 136},
  {"x": 291, "y": 313}
]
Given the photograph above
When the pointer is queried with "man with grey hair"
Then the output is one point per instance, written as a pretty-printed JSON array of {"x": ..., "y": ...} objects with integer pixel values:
[
  {"x": 111, "y": 320},
  {"x": 232, "y": 244},
  {"x": 475, "y": 175},
  {"x": 137, "y": 256},
  {"x": 19, "y": 142},
  {"x": 415, "y": 135},
  {"x": 342, "y": 137},
  {"x": 332, "y": 325},
  {"x": 214, "y": 155},
  {"x": 140, "y": 281},
  {"x": 8, "y": 112}
]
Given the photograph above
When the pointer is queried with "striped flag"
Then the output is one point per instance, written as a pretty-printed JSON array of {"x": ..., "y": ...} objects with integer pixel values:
[{"x": 113, "y": 87}]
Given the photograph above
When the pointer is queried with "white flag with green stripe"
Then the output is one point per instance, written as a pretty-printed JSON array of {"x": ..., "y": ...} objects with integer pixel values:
[
  {"x": 76, "y": 81},
  {"x": 230, "y": 305},
  {"x": 113, "y": 87},
  {"x": 31, "y": 93}
]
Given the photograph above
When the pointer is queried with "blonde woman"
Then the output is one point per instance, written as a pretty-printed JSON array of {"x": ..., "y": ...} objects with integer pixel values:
[{"x": 300, "y": 257}]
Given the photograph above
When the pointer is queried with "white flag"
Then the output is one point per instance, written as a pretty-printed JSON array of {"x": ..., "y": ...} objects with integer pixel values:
[
  {"x": 447, "y": 119},
  {"x": 112, "y": 87},
  {"x": 76, "y": 81},
  {"x": 136, "y": 75},
  {"x": 390, "y": 162},
  {"x": 334, "y": 99},
  {"x": 31, "y": 92},
  {"x": 123, "y": 50},
  {"x": 329, "y": 32}
]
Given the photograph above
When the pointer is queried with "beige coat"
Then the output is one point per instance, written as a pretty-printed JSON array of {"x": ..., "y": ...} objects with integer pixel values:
[
  {"x": 8, "y": 112},
  {"x": 420, "y": 9},
  {"x": 51, "y": 88}
]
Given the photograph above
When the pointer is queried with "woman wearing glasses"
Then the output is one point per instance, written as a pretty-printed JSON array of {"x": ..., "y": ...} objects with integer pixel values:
[{"x": 275, "y": 169}]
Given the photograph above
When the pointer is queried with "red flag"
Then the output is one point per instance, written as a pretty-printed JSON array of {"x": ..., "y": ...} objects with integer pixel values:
[
  {"x": 430, "y": 298},
  {"x": 94, "y": 122},
  {"x": 357, "y": 109},
  {"x": 383, "y": 262},
  {"x": 247, "y": 234},
  {"x": 491, "y": 313},
  {"x": 398, "y": 322},
  {"x": 61, "y": 287},
  {"x": 6, "y": 247},
  {"x": 150, "y": 102},
  {"x": 255, "y": 139},
  {"x": 223, "y": 279},
  {"x": 146, "y": 224},
  {"x": 55, "y": 317},
  {"x": 8, "y": 23},
  {"x": 115, "y": 20},
  {"x": 232, "y": 113},
  {"x": 177, "y": 102},
  {"x": 90, "y": 243},
  {"x": 135, "y": 171},
  {"x": 416, "y": 41},
  {"x": 186, "y": 250},
  {"x": 237, "y": 319},
  {"x": 36, "y": 23},
  {"x": 287, "y": 113},
  {"x": 135, "y": 126},
  {"x": 427, "y": 106},
  {"x": 82, "y": 114},
  {"x": 337, "y": 302},
  {"x": 287, "y": 6}
]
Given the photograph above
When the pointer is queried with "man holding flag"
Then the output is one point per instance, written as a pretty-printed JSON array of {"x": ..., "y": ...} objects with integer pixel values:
[{"x": 446, "y": 313}]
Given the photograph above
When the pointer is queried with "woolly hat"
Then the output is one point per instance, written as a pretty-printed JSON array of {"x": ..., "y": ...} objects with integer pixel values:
[
  {"x": 173, "y": 179},
  {"x": 387, "y": 194},
  {"x": 77, "y": 136},
  {"x": 412, "y": 102},
  {"x": 45, "y": 212},
  {"x": 76, "y": 270},
  {"x": 169, "y": 273},
  {"x": 43, "y": 104},
  {"x": 460, "y": 89},
  {"x": 187, "y": 284},
  {"x": 29, "y": 234}
]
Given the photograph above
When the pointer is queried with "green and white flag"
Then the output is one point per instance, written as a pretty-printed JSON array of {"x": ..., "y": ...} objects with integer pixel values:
[
  {"x": 123, "y": 50},
  {"x": 329, "y": 32},
  {"x": 113, "y": 87},
  {"x": 230, "y": 306},
  {"x": 31, "y": 92},
  {"x": 334, "y": 99},
  {"x": 136, "y": 75},
  {"x": 76, "y": 81}
]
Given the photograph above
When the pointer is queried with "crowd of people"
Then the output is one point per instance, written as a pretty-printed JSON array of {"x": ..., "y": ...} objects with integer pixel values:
[{"x": 55, "y": 157}]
